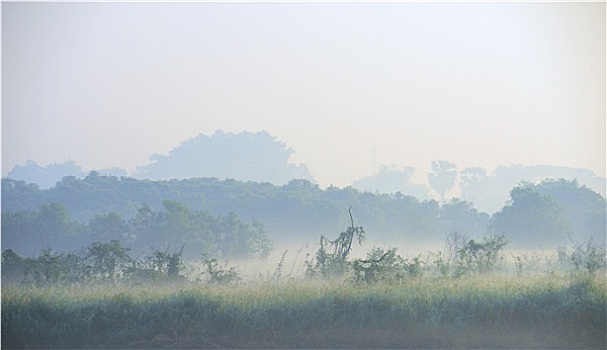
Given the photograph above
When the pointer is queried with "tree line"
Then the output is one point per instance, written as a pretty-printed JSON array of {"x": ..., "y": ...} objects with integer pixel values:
[
  {"x": 198, "y": 232},
  {"x": 202, "y": 210}
]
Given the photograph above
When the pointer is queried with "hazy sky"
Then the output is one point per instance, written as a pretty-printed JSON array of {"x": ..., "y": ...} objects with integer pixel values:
[{"x": 346, "y": 85}]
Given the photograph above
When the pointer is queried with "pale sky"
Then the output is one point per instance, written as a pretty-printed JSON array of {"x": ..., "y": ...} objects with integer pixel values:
[{"x": 347, "y": 85}]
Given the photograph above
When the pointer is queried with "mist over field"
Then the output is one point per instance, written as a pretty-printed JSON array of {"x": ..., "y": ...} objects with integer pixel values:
[
  {"x": 303, "y": 175},
  {"x": 278, "y": 261},
  {"x": 247, "y": 178}
]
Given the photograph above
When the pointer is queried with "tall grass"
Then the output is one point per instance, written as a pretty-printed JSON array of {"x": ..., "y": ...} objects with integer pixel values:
[{"x": 478, "y": 311}]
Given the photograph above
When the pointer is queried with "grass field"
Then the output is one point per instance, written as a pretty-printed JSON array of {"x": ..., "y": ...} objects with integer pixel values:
[{"x": 480, "y": 311}]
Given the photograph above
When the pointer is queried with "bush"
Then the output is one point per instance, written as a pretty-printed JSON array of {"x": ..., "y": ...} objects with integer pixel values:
[
  {"x": 587, "y": 256},
  {"x": 479, "y": 257},
  {"x": 98, "y": 263},
  {"x": 379, "y": 266},
  {"x": 217, "y": 274},
  {"x": 335, "y": 264}
]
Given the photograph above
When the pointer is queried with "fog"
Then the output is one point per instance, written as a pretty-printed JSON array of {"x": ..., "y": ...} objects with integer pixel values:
[
  {"x": 303, "y": 175},
  {"x": 349, "y": 86},
  {"x": 261, "y": 157}
]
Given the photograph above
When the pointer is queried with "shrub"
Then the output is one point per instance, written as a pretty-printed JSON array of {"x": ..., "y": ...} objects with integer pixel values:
[
  {"x": 379, "y": 266},
  {"x": 107, "y": 261},
  {"x": 479, "y": 257},
  {"x": 217, "y": 274},
  {"x": 333, "y": 264},
  {"x": 587, "y": 256}
]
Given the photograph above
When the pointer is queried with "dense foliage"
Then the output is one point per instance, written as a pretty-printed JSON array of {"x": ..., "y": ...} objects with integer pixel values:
[
  {"x": 111, "y": 264},
  {"x": 295, "y": 210},
  {"x": 26, "y": 232},
  {"x": 550, "y": 214},
  {"x": 547, "y": 214}
]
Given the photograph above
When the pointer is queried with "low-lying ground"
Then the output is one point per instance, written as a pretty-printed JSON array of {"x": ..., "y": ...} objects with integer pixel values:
[{"x": 491, "y": 311}]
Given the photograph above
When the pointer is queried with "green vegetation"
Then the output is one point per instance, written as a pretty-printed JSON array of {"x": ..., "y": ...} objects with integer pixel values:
[
  {"x": 298, "y": 210},
  {"x": 160, "y": 278},
  {"x": 480, "y": 311},
  {"x": 197, "y": 212},
  {"x": 464, "y": 297},
  {"x": 335, "y": 264},
  {"x": 174, "y": 224}
]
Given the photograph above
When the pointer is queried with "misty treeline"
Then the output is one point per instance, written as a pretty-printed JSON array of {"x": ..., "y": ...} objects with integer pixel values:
[
  {"x": 229, "y": 216},
  {"x": 261, "y": 157},
  {"x": 169, "y": 227},
  {"x": 111, "y": 262},
  {"x": 246, "y": 155}
]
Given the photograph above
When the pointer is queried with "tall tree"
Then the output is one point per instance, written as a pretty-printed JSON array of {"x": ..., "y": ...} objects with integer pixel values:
[
  {"x": 244, "y": 156},
  {"x": 442, "y": 177},
  {"x": 532, "y": 219},
  {"x": 583, "y": 208},
  {"x": 110, "y": 226},
  {"x": 392, "y": 179}
]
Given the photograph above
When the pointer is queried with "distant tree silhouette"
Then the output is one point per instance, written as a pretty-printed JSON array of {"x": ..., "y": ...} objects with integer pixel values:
[
  {"x": 245, "y": 156},
  {"x": 489, "y": 191},
  {"x": 442, "y": 177},
  {"x": 532, "y": 219},
  {"x": 46, "y": 176},
  {"x": 393, "y": 180}
]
